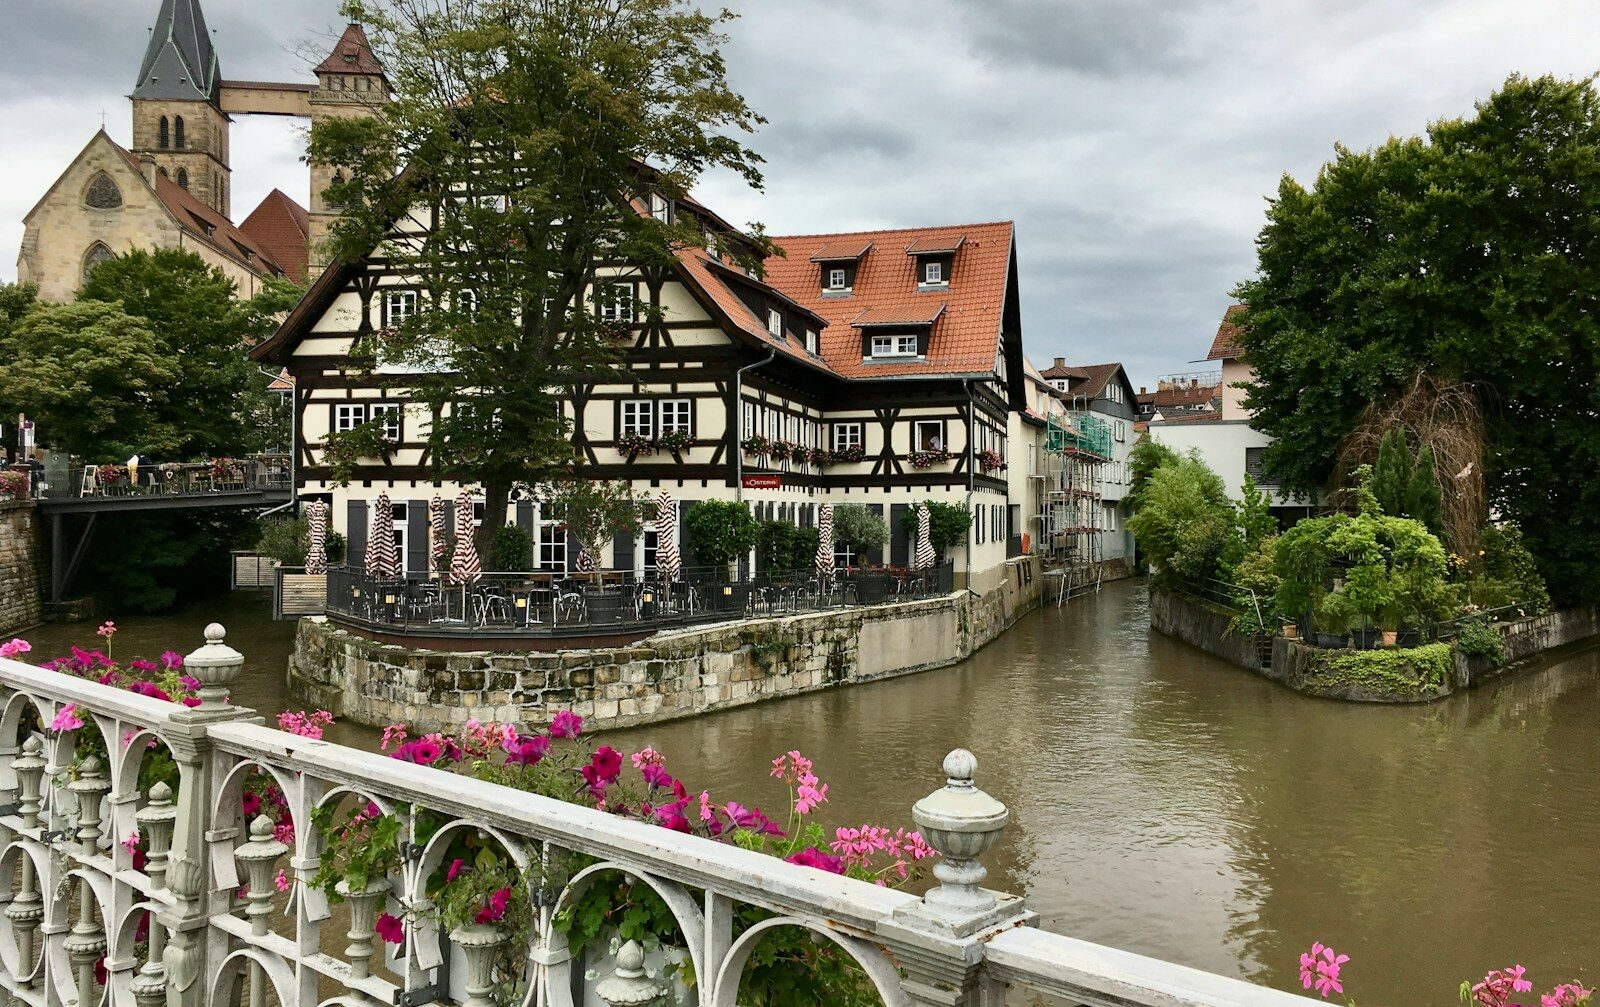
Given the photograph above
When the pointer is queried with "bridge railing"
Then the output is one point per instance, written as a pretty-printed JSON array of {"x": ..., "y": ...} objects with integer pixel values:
[
  {"x": 188, "y": 912},
  {"x": 253, "y": 474}
]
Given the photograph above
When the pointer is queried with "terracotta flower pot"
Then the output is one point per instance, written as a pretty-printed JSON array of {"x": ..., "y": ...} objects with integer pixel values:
[
  {"x": 1291, "y": 632},
  {"x": 1390, "y": 636}
]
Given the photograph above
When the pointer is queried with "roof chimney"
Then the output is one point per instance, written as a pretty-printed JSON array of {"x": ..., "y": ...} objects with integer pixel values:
[
  {"x": 1143, "y": 391},
  {"x": 1061, "y": 361},
  {"x": 147, "y": 167},
  {"x": 1194, "y": 382}
]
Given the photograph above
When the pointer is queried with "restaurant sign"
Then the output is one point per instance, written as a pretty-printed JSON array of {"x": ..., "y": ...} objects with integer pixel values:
[{"x": 771, "y": 482}]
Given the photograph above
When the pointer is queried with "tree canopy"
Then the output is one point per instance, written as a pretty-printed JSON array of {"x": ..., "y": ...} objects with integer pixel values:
[
  {"x": 539, "y": 131},
  {"x": 1469, "y": 255}
]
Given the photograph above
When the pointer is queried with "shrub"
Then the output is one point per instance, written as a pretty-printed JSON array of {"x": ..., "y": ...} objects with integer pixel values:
[
  {"x": 856, "y": 525},
  {"x": 1146, "y": 457},
  {"x": 947, "y": 525},
  {"x": 1479, "y": 638},
  {"x": 287, "y": 540},
  {"x": 1410, "y": 671},
  {"x": 1255, "y": 592},
  {"x": 1504, "y": 573},
  {"x": 1185, "y": 522},
  {"x": 511, "y": 549},
  {"x": 786, "y": 549},
  {"x": 719, "y": 532}
]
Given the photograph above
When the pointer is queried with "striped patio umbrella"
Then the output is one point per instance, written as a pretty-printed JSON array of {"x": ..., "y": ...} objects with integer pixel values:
[
  {"x": 668, "y": 563},
  {"x": 438, "y": 527},
  {"x": 825, "y": 541},
  {"x": 382, "y": 559},
  {"x": 585, "y": 561},
  {"x": 465, "y": 567},
  {"x": 925, "y": 557},
  {"x": 317, "y": 555}
]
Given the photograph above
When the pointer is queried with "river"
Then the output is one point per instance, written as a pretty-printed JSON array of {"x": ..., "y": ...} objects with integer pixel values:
[{"x": 1167, "y": 803}]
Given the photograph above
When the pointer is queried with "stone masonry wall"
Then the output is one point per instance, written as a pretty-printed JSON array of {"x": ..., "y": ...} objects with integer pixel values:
[
  {"x": 19, "y": 567},
  {"x": 670, "y": 675}
]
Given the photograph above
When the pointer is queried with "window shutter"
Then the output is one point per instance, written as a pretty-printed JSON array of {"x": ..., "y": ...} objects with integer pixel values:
[
  {"x": 355, "y": 552},
  {"x": 622, "y": 551},
  {"x": 899, "y": 539},
  {"x": 417, "y": 537},
  {"x": 684, "y": 553},
  {"x": 525, "y": 516}
]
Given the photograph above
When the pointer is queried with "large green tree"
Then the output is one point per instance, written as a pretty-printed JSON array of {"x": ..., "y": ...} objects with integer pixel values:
[
  {"x": 1469, "y": 255},
  {"x": 538, "y": 129}
]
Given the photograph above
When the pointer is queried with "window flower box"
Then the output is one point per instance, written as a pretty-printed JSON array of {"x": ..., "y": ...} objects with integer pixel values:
[
  {"x": 675, "y": 440},
  {"x": 757, "y": 445},
  {"x": 928, "y": 459},
  {"x": 845, "y": 456},
  {"x": 990, "y": 460},
  {"x": 780, "y": 451},
  {"x": 634, "y": 445}
]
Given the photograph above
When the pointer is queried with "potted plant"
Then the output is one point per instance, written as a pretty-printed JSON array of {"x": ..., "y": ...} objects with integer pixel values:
[
  {"x": 718, "y": 532},
  {"x": 360, "y": 851},
  {"x": 675, "y": 441},
  {"x": 928, "y": 459},
  {"x": 780, "y": 451},
  {"x": 846, "y": 456},
  {"x": 596, "y": 510},
  {"x": 756, "y": 445},
  {"x": 484, "y": 909},
  {"x": 990, "y": 461},
  {"x": 633, "y": 445}
]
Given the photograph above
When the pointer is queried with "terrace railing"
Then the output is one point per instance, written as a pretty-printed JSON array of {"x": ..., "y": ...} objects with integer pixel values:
[
  {"x": 608, "y": 601},
  {"x": 76, "y": 901},
  {"x": 254, "y": 474}
]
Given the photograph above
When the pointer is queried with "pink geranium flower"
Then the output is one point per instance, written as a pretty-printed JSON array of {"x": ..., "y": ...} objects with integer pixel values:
[
  {"x": 66, "y": 719},
  {"x": 391, "y": 928},
  {"x": 14, "y": 647},
  {"x": 566, "y": 725},
  {"x": 394, "y": 734},
  {"x": 282, "y": 881}
]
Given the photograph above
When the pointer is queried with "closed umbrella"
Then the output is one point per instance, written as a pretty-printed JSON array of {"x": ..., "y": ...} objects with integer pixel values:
[
  {"x": 825, "y": 542},
  {"x": 585, "y": 561},
  {"x": 669, "y": 565},
  {"x": 465, "y": 567},
  {"x": 317, "y": 555},
  {"x": 925, "y": 557},
  {"x": 382, "y": 559},
  {"x": 438, "y": 526}
]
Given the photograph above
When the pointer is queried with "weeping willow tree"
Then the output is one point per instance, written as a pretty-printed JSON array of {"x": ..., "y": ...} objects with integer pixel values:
[
  {"x": 526, "y": 143},
  {"x": 1444, "y": 425}
]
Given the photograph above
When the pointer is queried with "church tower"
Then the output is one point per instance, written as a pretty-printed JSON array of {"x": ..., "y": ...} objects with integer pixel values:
[
  {"x": 350, "y": 83},
  {"x": 177, "y": 114}
]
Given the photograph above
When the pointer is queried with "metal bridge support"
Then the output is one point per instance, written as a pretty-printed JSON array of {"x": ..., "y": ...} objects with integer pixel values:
[{"x": 62, "y": 570}]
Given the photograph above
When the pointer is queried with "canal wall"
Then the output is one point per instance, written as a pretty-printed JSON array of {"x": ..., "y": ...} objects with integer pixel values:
[
  {"x": 1411, "y": 675},
  {"x": 20, "y": 605},
  {"x": 664, "y": 677}
]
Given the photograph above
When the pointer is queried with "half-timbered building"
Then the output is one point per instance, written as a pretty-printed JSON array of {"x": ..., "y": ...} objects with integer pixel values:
[{"x": 875, "y": 367}]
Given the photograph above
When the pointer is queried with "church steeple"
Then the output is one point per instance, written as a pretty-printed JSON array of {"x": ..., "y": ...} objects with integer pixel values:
[{"x": 180, "y": 63}]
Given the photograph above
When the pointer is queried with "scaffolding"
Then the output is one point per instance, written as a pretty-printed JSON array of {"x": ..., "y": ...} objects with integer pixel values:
[{"x": 1070, "y": 521}]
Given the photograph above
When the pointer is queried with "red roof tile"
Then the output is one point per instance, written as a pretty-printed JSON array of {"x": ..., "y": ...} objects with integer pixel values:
[
  {"x": 908, "y": 314},
  {"x": 207, "y": 224},
  {"x": 965, "y": 338},
  {"x": 942, "y": 244},
  {"x": 1226, "y": 344},
  {"x": 842, "y": 251},
  {"x": 283, "y": 227},
  {"x": 352, "y": 54}
]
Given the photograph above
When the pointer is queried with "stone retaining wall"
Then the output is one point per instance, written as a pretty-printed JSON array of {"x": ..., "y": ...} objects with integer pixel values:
[
  {"x": 669, "y": 675},
  {"x": 1304, "y": 668},
  {"x": 19, "y": 566}
]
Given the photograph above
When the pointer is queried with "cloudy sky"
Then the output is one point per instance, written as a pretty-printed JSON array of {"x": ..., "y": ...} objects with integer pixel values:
[{"x": 1132, "y": 141}]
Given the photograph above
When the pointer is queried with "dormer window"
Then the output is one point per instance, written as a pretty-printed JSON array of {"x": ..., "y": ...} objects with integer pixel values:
[
  {"x": 811, "y": 341},
  {"x": 661, "y": 207},
  {"x": 775, "y": 321},
  {"x": 894, "y": 346}
]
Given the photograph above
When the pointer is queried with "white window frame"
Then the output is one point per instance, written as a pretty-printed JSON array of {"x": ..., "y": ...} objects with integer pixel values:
[
  {"x": 392, "y": 422},
  {"x": 467, "y": 302},
  {"x": 895, "y": 346},
  {"x": 348, "y": 416},
  {"x": 916, "y": 435},
  {"x": 812, "y": 346},
  {"x": 677, "y": 416},
  {"x": 399, "y": 305},
  {"x": 1122, "y": 431},
  {"x": 775, "y": 321},
  {"x": 637, "y": 417},
  {"x": 845, "y": 555},
  {"x": 849, "y": 435},
  {"x": 661, "y": 207},
  {"x": 933, "y": 273},
  {"x": 618, "y": 307},
  {"x": 650, "y": 545},
  {"x": 838, "y": 277}
]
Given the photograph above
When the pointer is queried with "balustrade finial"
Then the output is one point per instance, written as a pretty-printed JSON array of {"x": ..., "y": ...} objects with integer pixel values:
[
  {"x": 629, "y": 987},
  {"x": 962, "y": 822},
  {"x": 259, "y": 856},
  {"x": 215, "y": 665},
  {"x": 90, "y": 788},
  {"x": 29, "y": 768}
]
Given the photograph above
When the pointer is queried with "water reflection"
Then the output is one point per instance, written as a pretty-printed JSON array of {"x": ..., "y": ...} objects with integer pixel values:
[{"x": 1170, "y": 804}]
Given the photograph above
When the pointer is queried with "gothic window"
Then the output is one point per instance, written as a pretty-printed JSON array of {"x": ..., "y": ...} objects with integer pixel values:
[
  {"x": 177, "y": 132},
  {"x": 183, "y": 178},
  {"x": 97, "y": 254},
  {"x": 103, "y": 193},
  {"x": 164, "y": 140}
]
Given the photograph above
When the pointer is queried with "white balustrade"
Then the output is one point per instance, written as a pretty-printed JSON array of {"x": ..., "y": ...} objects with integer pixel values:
[{"x": 74, "y": 902}]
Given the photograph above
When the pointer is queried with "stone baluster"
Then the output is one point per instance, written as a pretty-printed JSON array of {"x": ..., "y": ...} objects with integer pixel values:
[
  {"x": 629, "y": 986},
  {"x": 961, "y": 823},
  {"x": 156, "y": 820},
  {"x": 26, "y": 910},
  {"x": 216, "y": 665},
  {"x": 478, "y": 942},
  {"x": 90, "y": 788},
  {"x": 363, "y": 905},
  {"x": 259, "y": 856},
  {"x": 87, "y": 940}
]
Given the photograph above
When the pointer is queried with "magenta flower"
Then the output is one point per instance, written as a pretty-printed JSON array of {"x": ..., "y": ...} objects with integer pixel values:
[
  {"x": 281, "y": 881},
  {"x": 148, "y": 689},
  {"x": 455, "y": 868},
  {"x": 131, "y": 844},
  {"x": 107, "y": 630},
  {"x": 283, "y": 832},
  {"x": 394, "y": 734},
  {"x": 752, "y": 819},
  {"x": 191, "y": 701},
  {"x": 813, "y": 857},
  {"x": 391, "y": 928},
  {"x": 605, "y": 765},
  {"x": 566, "y": 725},
  {"x": 495, "y": 911},
  {"x": 142, "y": 666},
  {"x": 306, "y": 725},
  {"x": 14, "y": 647},
  {"x": 529, "y": 751},
  {"x": 66, "y": 719},
  {"x": 1566, "y": 995},
  {"x": 647, "y": 756}
]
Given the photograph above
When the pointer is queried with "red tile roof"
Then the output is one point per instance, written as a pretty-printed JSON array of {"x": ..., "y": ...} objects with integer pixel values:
[
  {"x": 283, "y": 227},
  {"x": 352, "y": 54},
  {"x": 207, "y": 224},
  {"x": 841, "y": 251},
  {"x": 942, "y": 244},
  {"x": 1185, "y": 395},
  {"x": 909, "y": 314},
  {"x": 706, "y": 275},
  {"x": 965, "y": 338},
  {"x": 1062, "y": 369},
  {"x": 1226, "y": 344}
]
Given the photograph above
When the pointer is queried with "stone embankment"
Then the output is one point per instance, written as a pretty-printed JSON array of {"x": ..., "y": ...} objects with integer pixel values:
[
  {"x": 663, "y": 677},
  {"x": 1409, "y": 675},
  {"x": 20, "y": 605}
]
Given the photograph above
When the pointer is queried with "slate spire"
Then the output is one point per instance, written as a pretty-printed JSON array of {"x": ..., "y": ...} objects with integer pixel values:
[{"x": 180, "y": 63}]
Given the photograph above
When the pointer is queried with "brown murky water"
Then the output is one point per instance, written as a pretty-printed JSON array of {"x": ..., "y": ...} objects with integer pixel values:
[{"x": 1169, "y": 804}]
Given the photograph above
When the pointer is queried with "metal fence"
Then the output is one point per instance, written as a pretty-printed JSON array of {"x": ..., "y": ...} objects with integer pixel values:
[
  {"x": 609, "y": 601},
  {"x": 170, "y": 479}
]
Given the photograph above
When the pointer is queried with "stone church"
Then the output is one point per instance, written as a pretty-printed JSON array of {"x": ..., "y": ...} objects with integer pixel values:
[{"x": 173, "y": 187}]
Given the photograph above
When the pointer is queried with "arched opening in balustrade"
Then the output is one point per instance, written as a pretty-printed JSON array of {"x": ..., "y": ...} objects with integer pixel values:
[
  {"x": 463, "y": 869},
  {"x": 835, "y": 967},
  {"x": 75, "y": 967},
  {"x": 131, "y": 943},
  {"x": 247, "y": 793},
  {"x": 230, "y": 984},
  {"x": 29, "y": 898},
  {"x": 616, "y": 894}
]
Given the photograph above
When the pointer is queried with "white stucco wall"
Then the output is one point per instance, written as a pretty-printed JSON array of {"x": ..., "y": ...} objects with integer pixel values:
[{"x": 1222, "y": 445}]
